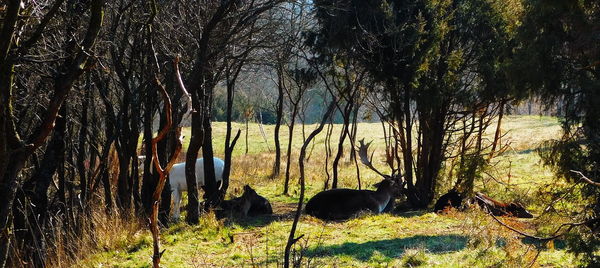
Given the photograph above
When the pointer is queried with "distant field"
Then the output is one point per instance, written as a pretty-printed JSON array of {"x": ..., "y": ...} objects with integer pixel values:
[{"x": 421, "y": 238}]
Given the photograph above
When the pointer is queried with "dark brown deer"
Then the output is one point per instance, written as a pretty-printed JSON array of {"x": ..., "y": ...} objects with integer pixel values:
[
  {"x": 249, "y": 204},
  {"x": 340, "y": 204},
  {"x": 452, "y": 199},
  {"x": 498, "y": 208}
]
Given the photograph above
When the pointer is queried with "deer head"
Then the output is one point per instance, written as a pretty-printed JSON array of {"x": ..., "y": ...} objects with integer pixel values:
[{"x": 518, "y": 210}]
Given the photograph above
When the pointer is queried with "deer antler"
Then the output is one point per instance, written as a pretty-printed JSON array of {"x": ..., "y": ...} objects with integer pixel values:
[{"x": 365, "y": 159}]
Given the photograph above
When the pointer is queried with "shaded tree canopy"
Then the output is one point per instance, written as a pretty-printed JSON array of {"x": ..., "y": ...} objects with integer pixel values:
[
  {"x": 434, "y": 60},
  {"x": 559, "y": 53}
]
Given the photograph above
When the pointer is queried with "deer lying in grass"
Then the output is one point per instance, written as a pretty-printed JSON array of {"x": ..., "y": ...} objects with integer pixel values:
[
  {"x": 452, "y": 199},
  {"x": 249, "y": 204},
  {"x": 496, "y": 208},
  {"x": 340, "y": 204}
]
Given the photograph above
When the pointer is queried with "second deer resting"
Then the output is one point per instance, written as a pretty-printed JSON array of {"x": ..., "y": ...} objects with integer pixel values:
[
  {"x": 249, "y": 204},
  {"x": 339, "y": 204}
]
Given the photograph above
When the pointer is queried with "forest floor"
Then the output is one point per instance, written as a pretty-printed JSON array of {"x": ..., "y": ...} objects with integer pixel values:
[{"x": 419, "y": 238}]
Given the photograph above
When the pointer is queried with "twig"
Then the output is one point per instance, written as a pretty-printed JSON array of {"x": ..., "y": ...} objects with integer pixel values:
[
  {"x": 537, "y": 254},
  {"x": 586, "y": 179},
  {"x": 496, "y": 180},
  {"x": 555, "y": 235},
  {"x": 291, "y": 239},
  {"x": 190, "y": 109}
]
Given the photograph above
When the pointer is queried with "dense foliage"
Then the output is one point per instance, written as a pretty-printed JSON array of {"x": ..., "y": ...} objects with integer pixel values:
[
  {"x": 438, "y": 63},
  {"x": 560, "y": 53}
]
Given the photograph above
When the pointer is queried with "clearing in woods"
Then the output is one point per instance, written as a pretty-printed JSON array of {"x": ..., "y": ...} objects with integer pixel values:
[{"x": 420, "y": 238}]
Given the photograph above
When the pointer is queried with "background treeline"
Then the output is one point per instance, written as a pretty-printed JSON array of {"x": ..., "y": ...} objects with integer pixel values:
[{"x": 80, "y": 81}]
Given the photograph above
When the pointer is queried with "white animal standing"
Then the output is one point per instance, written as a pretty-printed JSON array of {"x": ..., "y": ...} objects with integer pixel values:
[{"x": 179, "y": 184}]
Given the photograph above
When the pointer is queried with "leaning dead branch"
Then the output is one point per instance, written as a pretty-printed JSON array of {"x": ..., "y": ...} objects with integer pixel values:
[
  {"x": 556, "y": 234},
  {"x": 162, "y": 172},
  {"x": 586, "y": 179},
  {"x": 292, "y": 239},
  {"x": 186, "y": 94}
]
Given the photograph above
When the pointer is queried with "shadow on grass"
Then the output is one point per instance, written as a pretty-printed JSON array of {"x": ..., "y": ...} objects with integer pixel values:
[
  {"x": 526, "y": 151},
  {"x": 254, "y": 221},
  {"x": 409, "y": 213},
  {"x": 537, "y": 149},
  {"x": 281, "y": 211},
  {"x": 558, "y": 244},
  {"x": 392, "y": 248}
]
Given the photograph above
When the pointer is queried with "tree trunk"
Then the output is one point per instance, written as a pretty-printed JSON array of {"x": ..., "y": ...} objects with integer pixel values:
[
  {"x": 162, "y": 172},
  {"x": 352, "y": 137},
  {"x": 211, "y": 189},
  {"x": 163, "y": 156},
  {"x": 289, "y": 150},
  {"x": 229, "y": 145},
  {"x": 29, "y": 219},
  {"x": 82, "y": 142},
  {"x": 124, "y": 195},
  {"x": 327, "y": 153},
  {"x": 352, "y": 134},
  {"x": 346, "y": 113},
  {"x": 430, "y": 156},
  {"x": 338, "y": 156},
  {"x": 8, "y": 187},
  {"x": 498, "y": 133},
  {"x": 247, "y": 119},
  {"x": 132, "y": 146},
  {"x": 292, "y": 239},
  {"x": 149, "y": 179},
  {"x": 190, "y": 161},
  {"x": 404, "y": 115},
  {"x": 108, "y": 200},
  {"x": 277, "y": 163},
  {"x": 105, "y": 175}
]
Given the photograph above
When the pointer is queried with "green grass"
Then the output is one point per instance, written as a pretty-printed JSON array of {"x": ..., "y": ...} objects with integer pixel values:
[{"x": 422, "y": 238}]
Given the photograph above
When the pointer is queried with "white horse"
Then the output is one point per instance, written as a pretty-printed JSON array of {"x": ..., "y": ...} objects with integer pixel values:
[{"x": 179, "y": 184}]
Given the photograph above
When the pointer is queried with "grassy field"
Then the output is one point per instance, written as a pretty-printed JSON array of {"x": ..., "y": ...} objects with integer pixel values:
[{"x": 421, "y": 238}]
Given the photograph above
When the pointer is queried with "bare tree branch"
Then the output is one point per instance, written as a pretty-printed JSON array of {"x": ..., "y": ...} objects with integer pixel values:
[
  {"x": 554, "y": 235},
  {"x": 586, "y": 179},
  {"x": 190, "y": 109},
  {"x": 153, "y": 222}
]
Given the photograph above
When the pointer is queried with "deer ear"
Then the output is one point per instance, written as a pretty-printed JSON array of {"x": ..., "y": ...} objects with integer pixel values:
[
  {"x": 396, "y": 177},
  {"x": 249, "y": 190},
  {"x": 377, "y": 184}
]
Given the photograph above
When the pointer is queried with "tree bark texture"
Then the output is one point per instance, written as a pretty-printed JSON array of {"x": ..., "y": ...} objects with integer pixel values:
[
  {"x": 279, "y": 108},
  {"x": 13, "y": 151}
]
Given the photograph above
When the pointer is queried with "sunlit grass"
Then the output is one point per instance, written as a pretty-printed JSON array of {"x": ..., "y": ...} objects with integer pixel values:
[{"x": 422, "y": 238}]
